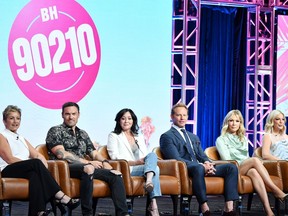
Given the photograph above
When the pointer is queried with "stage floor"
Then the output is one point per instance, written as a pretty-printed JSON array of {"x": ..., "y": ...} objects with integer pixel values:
[{"x": 105, "y": 206}]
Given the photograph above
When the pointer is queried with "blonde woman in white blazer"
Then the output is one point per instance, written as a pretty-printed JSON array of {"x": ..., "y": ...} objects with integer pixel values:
[{"x": 126, "y": 143}]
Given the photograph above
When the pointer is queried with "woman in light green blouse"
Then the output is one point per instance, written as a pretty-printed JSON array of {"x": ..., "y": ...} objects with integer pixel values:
[{"x": 233, "y": 145}]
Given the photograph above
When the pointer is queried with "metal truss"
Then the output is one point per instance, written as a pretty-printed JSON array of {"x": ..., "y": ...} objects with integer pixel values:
[
  {"x": 185, "y": 57},
  {"x": 259, "y": 69}
]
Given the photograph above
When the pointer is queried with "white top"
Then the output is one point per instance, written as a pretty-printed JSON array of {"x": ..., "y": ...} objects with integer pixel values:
[
  {"x": 279, "y": 148},
  {"x": 18, "y": 147},
  {"x": 118, "y": 147}
]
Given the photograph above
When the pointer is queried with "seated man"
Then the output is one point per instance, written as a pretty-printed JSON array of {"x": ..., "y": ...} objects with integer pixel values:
[
  {"x": 179, "y": 144},
  {"x": 68, "y": 142}
]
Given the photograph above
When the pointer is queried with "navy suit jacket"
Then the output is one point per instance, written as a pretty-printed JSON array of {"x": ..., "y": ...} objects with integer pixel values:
[{"x": 173, "y": 146}]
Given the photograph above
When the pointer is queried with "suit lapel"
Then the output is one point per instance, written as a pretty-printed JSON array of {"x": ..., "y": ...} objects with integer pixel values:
[{"x": 177, "y": 134}]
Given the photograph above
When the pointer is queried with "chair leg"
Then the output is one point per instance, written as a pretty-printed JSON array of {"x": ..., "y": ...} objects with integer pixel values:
[
  {"x": 185, "y": 204},
  {"x": 239, "y": 206},
  {"x": 148, "y": 200},
  {"x": 5, "y": 207},
  {"x": 94, "y": 205},
  {"x": 277, "y": 206},
  {"x": 249, "y": 202},
  {"x": 130, "y": 202},
  {"x": 175, "y": 204}
]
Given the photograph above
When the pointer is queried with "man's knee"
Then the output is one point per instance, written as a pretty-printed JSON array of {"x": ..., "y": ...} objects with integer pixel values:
[
  {"x": 89, "y": 169},
  {"x": 197, "y": 170},
  {"x": 232, "y": 168}
]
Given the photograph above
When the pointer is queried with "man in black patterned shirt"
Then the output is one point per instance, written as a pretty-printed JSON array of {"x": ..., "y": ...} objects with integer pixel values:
[{"x": 70, "y": 143}]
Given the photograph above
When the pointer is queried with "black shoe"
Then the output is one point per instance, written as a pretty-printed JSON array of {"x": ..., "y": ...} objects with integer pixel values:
[
  {"x": 72, "y": 204},
  {"x": 47, "y": 212},
  {"x": 283, "y": 199}
]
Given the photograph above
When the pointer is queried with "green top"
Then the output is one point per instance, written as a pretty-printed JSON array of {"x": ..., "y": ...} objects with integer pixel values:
[{"x": 230, "y": 147}]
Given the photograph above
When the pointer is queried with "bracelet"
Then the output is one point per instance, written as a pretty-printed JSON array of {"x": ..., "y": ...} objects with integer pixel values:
[{"x": 105, "y": 161}]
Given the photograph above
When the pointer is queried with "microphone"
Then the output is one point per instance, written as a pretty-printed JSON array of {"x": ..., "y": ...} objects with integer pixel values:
[
  {"x": 17, "y": 137},
  {"x": 136, "y": 142}
]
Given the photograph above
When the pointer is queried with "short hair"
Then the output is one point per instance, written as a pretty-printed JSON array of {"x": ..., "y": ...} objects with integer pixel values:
[
  {"x": 9, "y": 109},
  {"x": 69, "y": 104},
  {"x": 119, "y": 115},
  {"x": 178, "y": 105},
  {"x": 270, "y": 121},
  {"x": 241, "y": 131}
]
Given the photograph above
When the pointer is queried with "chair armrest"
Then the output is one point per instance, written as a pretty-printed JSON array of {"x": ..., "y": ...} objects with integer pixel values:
[
  {"x": 115, "y": 164},
  {"x": 273, "y": 167},
  {"x": 184, "y": 178},
  {"x": 218, "y": 162},
  {"x": 284, "y": 172},
  {"x": 64, "y": 176},
  {"x": 53, "y": 169},
  {"x": 125, "y": 170},
  {"x": 169, "y": 167}
]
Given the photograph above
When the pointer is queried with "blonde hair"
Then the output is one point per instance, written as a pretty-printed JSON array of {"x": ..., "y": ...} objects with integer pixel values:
[
  {"x": 9, "y": 109},
  {"x": 178, "y": 105},
  {"x": 270, "y": 121},
  {"x": 241, "y": 131}
]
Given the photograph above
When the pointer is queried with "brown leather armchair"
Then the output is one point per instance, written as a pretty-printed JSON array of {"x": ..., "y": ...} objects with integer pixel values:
[
  {"x": 169, "y": 180},
  {"x": 245, "y": 185},
  {"x": 71, "y": 186},
  {"x": 12, "y": 189}
]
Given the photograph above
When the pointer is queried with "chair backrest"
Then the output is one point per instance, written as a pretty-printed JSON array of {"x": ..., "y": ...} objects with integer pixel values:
[
  {"x": 258, "y": 152},
  {"x": 158, "y": 152},
  {"x": 103, "y": 151},
  {"x": 212, "y": 153},
  {"x": 42, "y": 149}
]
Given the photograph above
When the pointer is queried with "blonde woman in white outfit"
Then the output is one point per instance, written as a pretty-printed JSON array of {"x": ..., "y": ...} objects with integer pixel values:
[
  {"x": 275, "y": 139},
  {"x": 126, "y": 143}
]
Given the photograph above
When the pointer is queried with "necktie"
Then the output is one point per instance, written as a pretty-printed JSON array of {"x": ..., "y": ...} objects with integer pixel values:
[{"x": 189, "y": 145}]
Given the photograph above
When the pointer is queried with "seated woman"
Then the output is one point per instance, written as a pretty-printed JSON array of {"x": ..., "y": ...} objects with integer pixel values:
[
  {"x": 126, "y": 143},
  {"x": 275, "y": 140},
  {"x": 19, "y": 159},
  {"x": 233, "y": 145}
]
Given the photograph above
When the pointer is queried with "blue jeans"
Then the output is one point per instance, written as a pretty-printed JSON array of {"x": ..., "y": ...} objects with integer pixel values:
[{"x": 149, "y": 166}]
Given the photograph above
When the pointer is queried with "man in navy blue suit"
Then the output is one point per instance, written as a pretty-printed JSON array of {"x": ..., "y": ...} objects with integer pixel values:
[{"x": 179, "y": 144}]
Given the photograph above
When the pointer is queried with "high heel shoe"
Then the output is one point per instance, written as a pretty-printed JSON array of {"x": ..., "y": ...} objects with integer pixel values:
[
  {"x": 71, "y": 204},
  {"x": 283, "y": 199},
  {"x": 148, "y": 187}
]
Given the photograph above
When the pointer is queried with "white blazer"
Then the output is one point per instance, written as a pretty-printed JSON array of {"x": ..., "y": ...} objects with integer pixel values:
[{"x": 118, "y": 147}]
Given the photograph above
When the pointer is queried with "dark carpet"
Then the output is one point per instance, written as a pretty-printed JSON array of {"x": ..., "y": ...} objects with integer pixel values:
[{"x": 105, "y": 207}]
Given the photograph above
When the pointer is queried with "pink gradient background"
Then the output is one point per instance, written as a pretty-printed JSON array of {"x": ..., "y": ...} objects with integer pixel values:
[{"x": 282, "y": 64}]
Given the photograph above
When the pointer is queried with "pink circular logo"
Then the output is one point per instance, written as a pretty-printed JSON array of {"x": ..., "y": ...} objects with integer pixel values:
[{"x": 54, "y": 52}]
